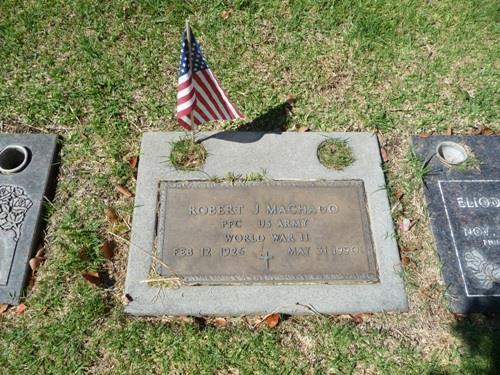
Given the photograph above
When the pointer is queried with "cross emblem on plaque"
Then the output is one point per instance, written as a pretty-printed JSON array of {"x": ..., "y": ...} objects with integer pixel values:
[{"x": 266, "y": 258}]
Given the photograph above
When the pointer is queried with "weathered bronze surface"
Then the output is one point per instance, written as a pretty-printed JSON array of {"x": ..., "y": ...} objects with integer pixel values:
[{"x": 274, "y": 231}]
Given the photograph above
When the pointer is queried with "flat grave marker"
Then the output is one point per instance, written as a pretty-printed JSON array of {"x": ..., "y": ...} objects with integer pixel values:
[
  {"x": 265, "y": 231},
  {"x": 26, "y": 165},
  {"x": 305, "y": 239},
  {"x": 464, "y": 210}
]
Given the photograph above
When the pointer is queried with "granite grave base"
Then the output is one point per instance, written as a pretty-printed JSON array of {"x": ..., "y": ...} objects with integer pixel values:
[
  {"x": 26, "y": 165},
  {"x": 305, "y": 239},
  {"x": 464, "y": 209}
]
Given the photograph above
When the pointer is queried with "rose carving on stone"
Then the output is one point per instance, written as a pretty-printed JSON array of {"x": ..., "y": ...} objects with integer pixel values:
[
  {"x": 14, "y": 204},
  {"x": 485, "y": 273}
]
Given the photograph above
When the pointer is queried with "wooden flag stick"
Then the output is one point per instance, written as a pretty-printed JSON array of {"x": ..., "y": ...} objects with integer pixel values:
[{"x": 188, "y": 35}]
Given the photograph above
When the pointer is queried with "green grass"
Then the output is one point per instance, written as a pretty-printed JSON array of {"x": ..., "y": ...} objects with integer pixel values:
[
  {"x": 335, "y": 154},
  {"x": 100, "y": 73},
  {"x": 187, "y": 155}
]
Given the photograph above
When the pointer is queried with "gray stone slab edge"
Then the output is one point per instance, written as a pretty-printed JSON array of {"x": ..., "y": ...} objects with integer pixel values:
[{"x": 285, "y": 156}]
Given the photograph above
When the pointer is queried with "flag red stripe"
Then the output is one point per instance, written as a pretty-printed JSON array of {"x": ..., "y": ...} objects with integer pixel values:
[
  {"x": 205, "y": 99},
  {"x": 183, "y": 85},
  {"x": 198, "y": 119},
  {"x": 216, "y": 106},
  {"x": 203, "y": 109},
  {"x": 213, "y": 96},
  {"x": 202, "y": 113},
  {"x": 210, "y": 77},
  {"x": 185, "y": 98},
  {"x": 233, "y": 109},
  {"x": 185, "y": 112},
  {"x": 216, "y": 90},
  {"x": 184, "y": 123}
]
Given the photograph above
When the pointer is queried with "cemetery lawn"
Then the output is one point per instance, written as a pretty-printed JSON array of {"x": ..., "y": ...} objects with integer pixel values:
[{"x": 100, "y": 73}]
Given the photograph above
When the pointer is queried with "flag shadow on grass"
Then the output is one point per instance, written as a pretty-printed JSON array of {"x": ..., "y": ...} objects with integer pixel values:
[{"x": 274, "y": 120}]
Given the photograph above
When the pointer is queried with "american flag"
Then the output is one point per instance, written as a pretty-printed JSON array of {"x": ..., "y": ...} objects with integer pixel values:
[{"x": 199, "y": 92}]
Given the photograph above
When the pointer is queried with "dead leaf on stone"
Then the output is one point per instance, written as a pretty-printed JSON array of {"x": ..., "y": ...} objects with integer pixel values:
[
  {"x": 124, "y": 191},
  {"x": 3, "y": 308},
  {"x": 271, "y": 320},
  {"x": 424, "y": 134},
  {"x": 303, "y": 129},
  {"x": 405, "y": 260},
  {"x": 108, "y": 249},
  {"x": 92, "y": 277},
  {"x": 219, "y": 322},
  {"x": 111, "y": 215},
  {"x": 357, "y": 318},
  {"x": 449, "y": 131},
  {"x": 132, "y": 161},
  {"x": 20, "y": 309},
  {"x": 384, "y": 154},
  {"x": 405, "y": 225}
]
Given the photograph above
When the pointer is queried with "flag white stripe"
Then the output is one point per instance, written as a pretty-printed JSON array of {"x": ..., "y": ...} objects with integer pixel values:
[
  {"x": 187, "y": 104},
  {"x": 198, "y": 117},
  {"x": 187, "y": 120},
  {"x": 214, "y": 96},
  {"x": 207, "y": 99},
  {"x": 184, "y": 78},
  {"x": 226, "y": 99},
  {"x": 185, "y": 91}
]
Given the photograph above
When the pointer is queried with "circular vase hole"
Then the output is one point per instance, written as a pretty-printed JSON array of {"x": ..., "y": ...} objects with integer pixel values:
[
  {"x": 451, "y": 153},
  {"x": 187, "y": 155},
  {"x": 13, "y": 159},
  {"x": 335, "y": 154}
]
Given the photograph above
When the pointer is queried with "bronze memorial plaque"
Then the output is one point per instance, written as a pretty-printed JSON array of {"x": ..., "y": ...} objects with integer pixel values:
[{"x": 273, "y": 231}]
